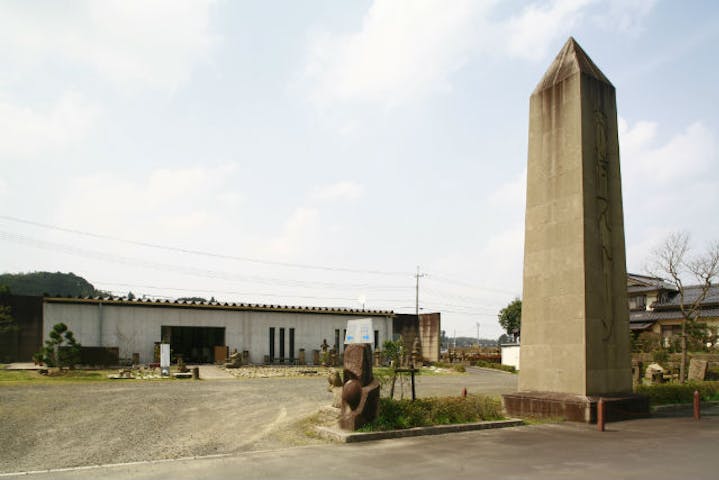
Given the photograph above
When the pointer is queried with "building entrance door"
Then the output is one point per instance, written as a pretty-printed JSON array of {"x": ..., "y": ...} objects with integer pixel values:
[{"x": 195, "y": 344}]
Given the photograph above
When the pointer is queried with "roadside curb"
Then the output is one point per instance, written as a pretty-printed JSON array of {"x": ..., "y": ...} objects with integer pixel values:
[
  {"x": 333, "y": 433},
  {"x": 683, "y": 406}
]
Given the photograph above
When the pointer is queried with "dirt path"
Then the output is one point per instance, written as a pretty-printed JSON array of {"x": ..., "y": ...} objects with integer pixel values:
[{"x": 55, "y": 426}]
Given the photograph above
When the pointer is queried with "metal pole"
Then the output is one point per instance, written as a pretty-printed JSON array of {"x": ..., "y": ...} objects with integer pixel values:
[
  {"x": 413, "y": 392},
  {"x": 697, "y": 406},
  {"x": 416, "y": 293},
  {"x": 600, "y": 415}
]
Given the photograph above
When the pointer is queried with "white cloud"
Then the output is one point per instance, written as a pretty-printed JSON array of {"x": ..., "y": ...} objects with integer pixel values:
[
  {"x": 339, "y": 191},
  {"x": 403, "y": 50},
  {"x": 299, "y": 231},
  {"x": 163, "y": 204},
  {"x": 511, "y": 194},
  {"x": 408, "y": 49},
  {"x": 625, "y": 15},
  {"x": 29, "y": 131},
  {"x": 131, "y": 43},
  {"x": 686, "y": 155},
  {"x": 669, "y": 184},
  {"x": 531, "y": 33}
]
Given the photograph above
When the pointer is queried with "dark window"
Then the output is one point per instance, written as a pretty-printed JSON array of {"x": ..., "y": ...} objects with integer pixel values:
[
  {"x": 376, "y": 339},
  {"x": 282, "y": 345},
  {"x": 292, "y": 345},
  {"x": 671, "y": 330},
  {"x": 344, "y": 335},
  {"x": 337, "y": 340},
  {"x": 272, "y": 344},
  {"x": 638, "y": 302}
]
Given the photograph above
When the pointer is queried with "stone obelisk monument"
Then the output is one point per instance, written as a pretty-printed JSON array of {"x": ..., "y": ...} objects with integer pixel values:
[{"x": 575, "y": 325}]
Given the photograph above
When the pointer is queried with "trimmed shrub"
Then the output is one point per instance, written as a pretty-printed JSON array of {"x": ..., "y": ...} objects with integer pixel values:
[
  {"x": 496, "y": 366},
  {"x": 669, "y": 393},
  {"x": 423, "y": 412}
]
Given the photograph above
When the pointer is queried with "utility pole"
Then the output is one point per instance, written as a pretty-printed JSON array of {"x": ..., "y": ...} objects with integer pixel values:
[{"x": 417, "y": 276}]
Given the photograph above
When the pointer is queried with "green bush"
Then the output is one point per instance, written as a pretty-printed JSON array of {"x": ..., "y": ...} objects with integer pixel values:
[
  {"x": 496, "y": 366},
  {"x": 423, "y": 412},
  {"x": 457, "y": 367},
  {"x": 660, "y": 356},
  {"x": 668, "y": 393}
]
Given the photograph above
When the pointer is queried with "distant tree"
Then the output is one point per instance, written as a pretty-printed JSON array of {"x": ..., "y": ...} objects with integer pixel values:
[
  {"x": 131, "y": 296},
  {"x": 192, "y": 299},
  {"x": 7, "y": 321},
  {"x": 39, "y": 283},
  {"x": 504, "y": 338},
  {"x": 674, "y": 260},
  {"x": 212, "y": 300},
  {"x": 510, "y": 317},
  {"x": 61, "y": 349}
]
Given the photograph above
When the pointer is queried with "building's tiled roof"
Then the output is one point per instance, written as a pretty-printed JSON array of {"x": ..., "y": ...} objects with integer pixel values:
[
  {"x": 654, "y": 315},
  {"x": 646, "y": 283},
  {"x": 691, "y": 293},
  {"x": 640, "y": 326},
  {"x": 218, "y": 305}
]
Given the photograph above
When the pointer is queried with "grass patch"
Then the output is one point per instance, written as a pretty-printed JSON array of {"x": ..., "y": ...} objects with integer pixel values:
[
  {"x": 542, "y": 420},
  {"x": 496, "y": 366},
  {"x": 424, "y": 412},
  {"x": 457, "y": 367},
  {"x": 670, "y": 393},
  {"x": 32, "y": 376}
]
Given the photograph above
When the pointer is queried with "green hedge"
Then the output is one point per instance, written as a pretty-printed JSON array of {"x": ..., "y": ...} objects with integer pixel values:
[
  {"x": 457, "y": 367},
  {"x": 668, "y": 393},
  {"x": 496, "y": 366},
  {"x": 423, "y": 412}
]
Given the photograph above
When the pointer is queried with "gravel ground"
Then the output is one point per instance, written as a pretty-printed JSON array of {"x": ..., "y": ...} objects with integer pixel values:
[{"x": 65, "y": 425}]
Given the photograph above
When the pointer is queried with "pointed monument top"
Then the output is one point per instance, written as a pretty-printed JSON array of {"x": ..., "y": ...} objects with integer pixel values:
[{"x": 570, "y": 60}]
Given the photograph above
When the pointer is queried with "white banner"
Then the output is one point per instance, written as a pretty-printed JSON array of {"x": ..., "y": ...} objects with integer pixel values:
[{"x": 359, "y": 331}]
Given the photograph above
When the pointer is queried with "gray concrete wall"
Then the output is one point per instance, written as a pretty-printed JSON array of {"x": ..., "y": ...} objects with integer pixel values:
[{"x": 135, "y": 328}]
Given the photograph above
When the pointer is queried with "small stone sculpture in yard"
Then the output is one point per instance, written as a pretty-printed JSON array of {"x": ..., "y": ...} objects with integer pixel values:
[
  {"x": 360, "y": 392},
  {"x": 335, "y": 386}
]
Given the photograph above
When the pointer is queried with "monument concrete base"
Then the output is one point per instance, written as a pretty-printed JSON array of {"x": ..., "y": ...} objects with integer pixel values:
[{"x": 576, "y": 408}]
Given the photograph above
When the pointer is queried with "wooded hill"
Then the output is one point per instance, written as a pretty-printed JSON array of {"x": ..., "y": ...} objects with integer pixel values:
[{"x": 48, "y": 283}]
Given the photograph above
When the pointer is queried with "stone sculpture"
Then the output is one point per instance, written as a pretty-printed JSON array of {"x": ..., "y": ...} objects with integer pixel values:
[
  {"x": 235, "y": 360},
  {"x": 360, "y": 392},
  {"x": 335, "y": 386}
]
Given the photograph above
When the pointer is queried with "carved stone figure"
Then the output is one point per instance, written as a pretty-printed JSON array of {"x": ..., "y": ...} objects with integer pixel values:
[
  {"x": 360, "y": 392},
  {"x": 335, "y": 386},
  {"x": 234, "y": 361}
]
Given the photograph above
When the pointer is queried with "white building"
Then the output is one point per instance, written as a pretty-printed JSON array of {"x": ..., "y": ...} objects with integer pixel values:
[{"x": 194, "y": 329}]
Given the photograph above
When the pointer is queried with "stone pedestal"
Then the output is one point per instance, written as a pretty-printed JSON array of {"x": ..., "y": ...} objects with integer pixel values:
[{"x": 576, "y": 408}]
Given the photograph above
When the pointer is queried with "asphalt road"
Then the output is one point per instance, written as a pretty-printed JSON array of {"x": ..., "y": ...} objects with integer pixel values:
[
  {"x": 656, "y": 449},
  {"x": 71, "y": 425}
]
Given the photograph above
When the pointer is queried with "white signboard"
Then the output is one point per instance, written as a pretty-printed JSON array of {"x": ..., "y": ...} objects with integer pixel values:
[
  {"x": 165, "y": 358},
  {"x": 359, "y": 331}
]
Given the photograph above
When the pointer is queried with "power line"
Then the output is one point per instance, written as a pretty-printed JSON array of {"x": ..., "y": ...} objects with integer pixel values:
[
  {"x": 200, "y": 252},
  {"x": 226, "y": 292},
  {"x": 445, "y": 279},
  {"x": 72, "y": 250}
]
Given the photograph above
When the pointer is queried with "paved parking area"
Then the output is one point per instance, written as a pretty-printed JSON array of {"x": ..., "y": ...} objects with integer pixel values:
[
  {"x": 656, "y": 449},
  {"x": 69, "y": 425}
]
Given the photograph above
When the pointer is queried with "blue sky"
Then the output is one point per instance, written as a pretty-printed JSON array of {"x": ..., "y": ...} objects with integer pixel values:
[{"x": 322, "y": 150}]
